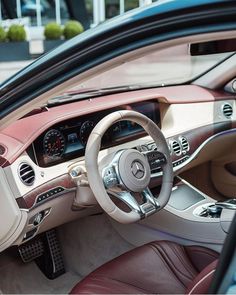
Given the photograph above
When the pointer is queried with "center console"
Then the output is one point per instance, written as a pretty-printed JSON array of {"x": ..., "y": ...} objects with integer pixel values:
[
  {"x": 184, "y": 197},
  {"x": 190, "y": 218}
]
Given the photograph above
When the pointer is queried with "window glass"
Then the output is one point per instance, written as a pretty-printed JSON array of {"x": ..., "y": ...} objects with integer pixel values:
[
  {"x": 131, "y": 4},
  {"x": 112, "y": 8},
  {"x": 89, "y": 8},
  {"x": 171, "y": 66},
  {"x": 47, "y": 9}
]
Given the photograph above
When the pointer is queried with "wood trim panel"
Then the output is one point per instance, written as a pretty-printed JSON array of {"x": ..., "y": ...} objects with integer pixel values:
[
  {"x": 199, "y": 135},
  {"x": 28, "y": 201}
]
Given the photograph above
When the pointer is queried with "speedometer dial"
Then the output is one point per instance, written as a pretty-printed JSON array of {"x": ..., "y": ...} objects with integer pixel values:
[
  {"x": 85, "y": 131},
  {"x": 54, "y": 144}
]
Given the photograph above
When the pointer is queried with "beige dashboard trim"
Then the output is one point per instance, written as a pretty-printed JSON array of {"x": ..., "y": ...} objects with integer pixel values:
[{"x": 13, "y": 219}]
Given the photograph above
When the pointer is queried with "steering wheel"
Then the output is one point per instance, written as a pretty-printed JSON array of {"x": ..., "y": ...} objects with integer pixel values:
[{"x": 127, "y": 173}]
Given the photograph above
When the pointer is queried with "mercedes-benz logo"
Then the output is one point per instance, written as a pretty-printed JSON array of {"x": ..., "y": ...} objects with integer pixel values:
[{"x": 137, "y": 169}]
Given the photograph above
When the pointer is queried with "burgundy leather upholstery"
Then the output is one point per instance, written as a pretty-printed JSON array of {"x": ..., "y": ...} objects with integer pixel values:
[
  {"x": 159, "y": 267},
  {"x": 202, "y": 282}
]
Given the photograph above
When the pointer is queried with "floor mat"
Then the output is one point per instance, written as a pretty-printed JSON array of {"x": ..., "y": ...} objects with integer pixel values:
[
  {"x": 17, "y": 277},
  {"x": 90, "y": 242},
  {"x": 86, "y": 244}
]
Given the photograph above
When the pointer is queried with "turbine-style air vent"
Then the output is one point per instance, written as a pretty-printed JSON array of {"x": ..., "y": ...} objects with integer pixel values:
[
  {"x": 26, "y": 174},
  {"x": 184, "y": 144},
  {"x": 176, "y": 148},
  {"x": 227, "y": 110}
]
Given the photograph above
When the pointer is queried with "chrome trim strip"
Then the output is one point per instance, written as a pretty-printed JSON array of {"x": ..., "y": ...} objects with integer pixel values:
[
  {"x": 194, "y": 155},
  {"x": 34, "y": 152},
  {"x": 24, "y": 210}
]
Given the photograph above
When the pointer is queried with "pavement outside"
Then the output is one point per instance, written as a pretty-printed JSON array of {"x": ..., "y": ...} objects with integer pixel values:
[{"x": 7, "y": 69}]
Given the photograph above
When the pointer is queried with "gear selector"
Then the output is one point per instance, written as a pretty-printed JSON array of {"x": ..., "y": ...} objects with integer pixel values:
[
  {"x": 214, "y": 210},
  {"x": 211, "y": 211}
]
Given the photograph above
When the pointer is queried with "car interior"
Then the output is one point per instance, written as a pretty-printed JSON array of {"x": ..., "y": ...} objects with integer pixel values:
[{"x": 123, "y": 179}]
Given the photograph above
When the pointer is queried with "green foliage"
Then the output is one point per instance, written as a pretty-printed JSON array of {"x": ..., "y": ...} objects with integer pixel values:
[
  {"x": 52, "y": 31},
  {"x": 3, "y": 35},
  {"x": 72, "y": 28},
  {"x": 16, "y": 33}
]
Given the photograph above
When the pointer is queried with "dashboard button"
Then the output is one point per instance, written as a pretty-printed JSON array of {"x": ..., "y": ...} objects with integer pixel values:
[
  {"x": 39, "y": 199},
  {"x": 49, "y": 194}
]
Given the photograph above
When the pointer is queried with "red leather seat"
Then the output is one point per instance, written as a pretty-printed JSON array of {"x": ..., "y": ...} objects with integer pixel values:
[{"x": 159, "y": 267}]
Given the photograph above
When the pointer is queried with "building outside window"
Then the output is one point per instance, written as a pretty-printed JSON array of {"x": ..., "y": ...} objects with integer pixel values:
[
  {"x": 88, "y": 12},
  {"x": 116, "y": 7},
  {"x": 47, "y": 10}
]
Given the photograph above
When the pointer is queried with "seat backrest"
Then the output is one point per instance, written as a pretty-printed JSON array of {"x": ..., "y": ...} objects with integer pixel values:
[{"x": 201, "y": 284}]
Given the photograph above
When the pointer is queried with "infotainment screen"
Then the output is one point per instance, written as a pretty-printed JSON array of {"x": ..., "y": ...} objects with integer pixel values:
[{"x": 123, "y": 129}]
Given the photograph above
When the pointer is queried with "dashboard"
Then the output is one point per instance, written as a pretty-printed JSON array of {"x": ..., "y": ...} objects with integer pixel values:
[
  {"x": 67, "y": 140},
  {"x": 39, "y": 151}
]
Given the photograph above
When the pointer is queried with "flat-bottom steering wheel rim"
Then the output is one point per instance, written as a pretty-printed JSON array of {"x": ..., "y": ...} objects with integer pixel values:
[{"x": 93, "y": 172}]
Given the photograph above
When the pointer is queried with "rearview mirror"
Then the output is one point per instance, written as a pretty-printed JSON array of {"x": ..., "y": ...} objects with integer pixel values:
[{"x": 213, "y": 47}]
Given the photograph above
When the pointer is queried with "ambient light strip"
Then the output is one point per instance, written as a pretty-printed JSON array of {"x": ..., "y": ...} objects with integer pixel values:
[{"x": 198, "y": 150}]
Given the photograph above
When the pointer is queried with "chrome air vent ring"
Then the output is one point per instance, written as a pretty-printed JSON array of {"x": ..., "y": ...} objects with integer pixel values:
[
  {"x": 175, "y": 147},
  {"x": 227, "y": 110},
  {"x": 184, "y": 144},
  {"x": 26, "y": 174}
]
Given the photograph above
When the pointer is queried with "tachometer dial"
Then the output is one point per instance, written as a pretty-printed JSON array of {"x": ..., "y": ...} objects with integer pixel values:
[
  {"x": 85, "y": 131},
  {"x": 54, "y": 144}
]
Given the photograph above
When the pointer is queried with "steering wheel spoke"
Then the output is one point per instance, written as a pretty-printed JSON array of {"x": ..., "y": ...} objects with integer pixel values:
[
  {"x": 156, "y": 160},
  {"x": 149, "y": 204},
  {"x": 129, "y": 200},
  {"x": 150, "y": 199}
]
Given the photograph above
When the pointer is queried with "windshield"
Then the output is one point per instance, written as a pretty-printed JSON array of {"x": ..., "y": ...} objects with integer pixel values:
[{"x": 170, "y": 66}]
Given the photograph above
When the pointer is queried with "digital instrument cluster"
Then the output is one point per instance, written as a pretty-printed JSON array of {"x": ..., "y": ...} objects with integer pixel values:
[{"x": 67, "y": 140}]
